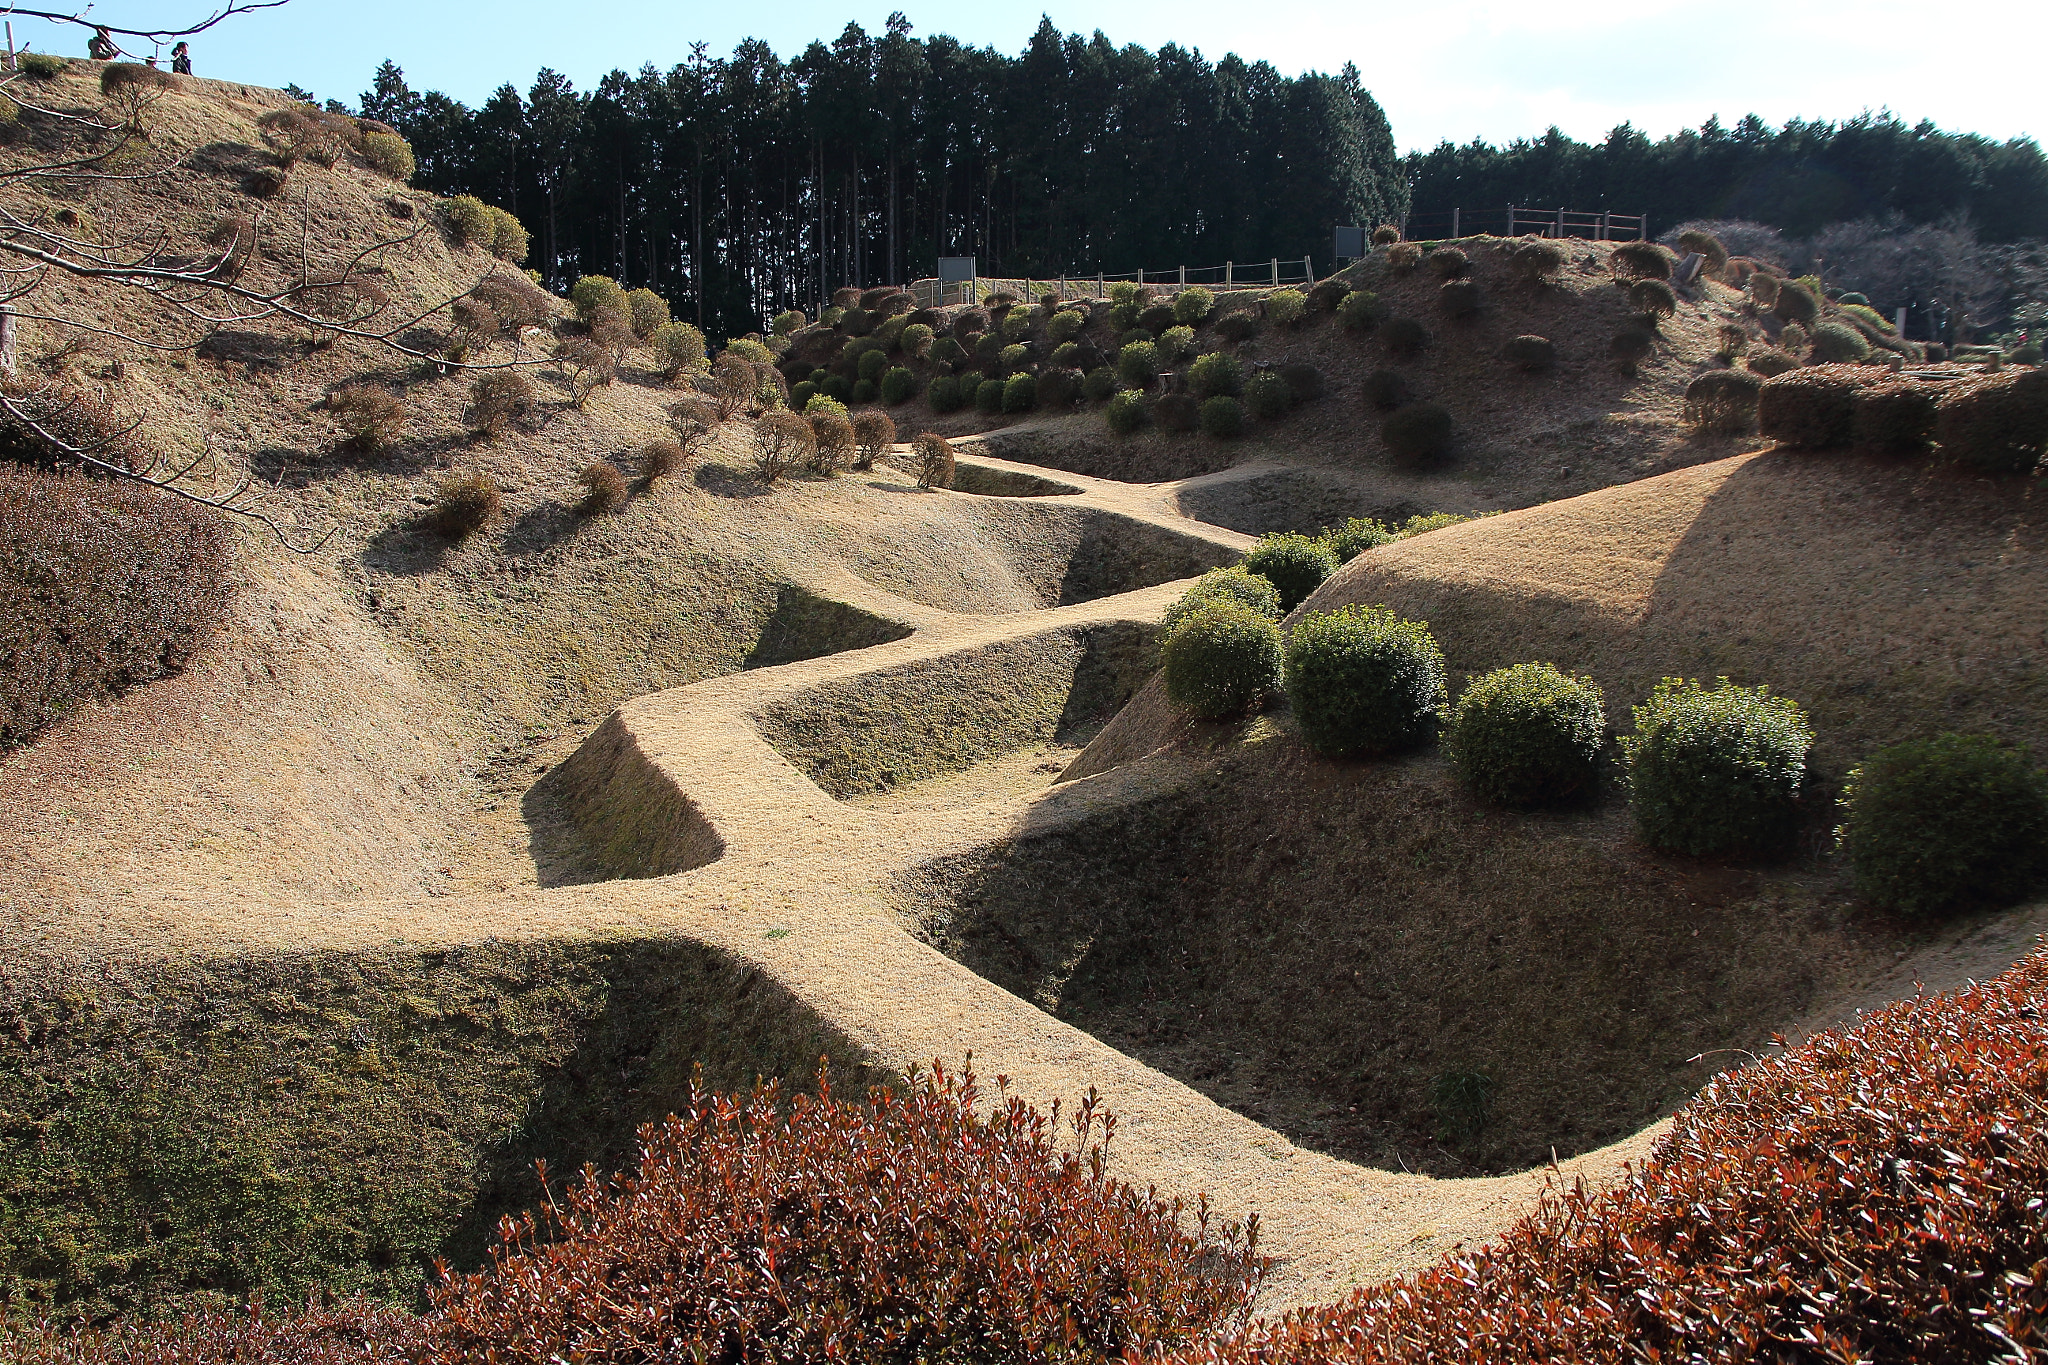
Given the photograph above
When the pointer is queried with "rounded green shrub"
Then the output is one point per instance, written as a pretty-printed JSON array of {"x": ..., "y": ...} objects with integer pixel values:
[
  {"x": 1098, "y": 384},
  {"x": 1325, "y": 295},
  {"x": 1137, "y": 365},
  {"x": 1796, "y": 302},
  {"x": 1640, "y": 261},
  {"x": 871, "y": 364},
  {"x": 943, "y": 394},
  {"x": 1385, "y": 390},
  {"x": 1934, "y": 825},
  {"x": 801, "y": 393},
  {"x": 1216, "y": 373},
  {"x": 1266, "y": 396},
  {"x": 1177, "y": 411},
  {"x": 1418, "y": 434},
  {"x": 1853, "y": 298},
  {"x": 898, "y": 386},
  {"x": 1176, "y": 344},
  {"x": 1713, "y": 256},
  {"x": 1448, "y": 262},
  {"x": 1067, "y": 353},
  {"x": 1717, "y": 773},
  {"x": 1020, "y": 394},
  {"x": 1222, "y": 417},
  {"x": 1363, "y": 681},
  {"x": 1016, "y": 324},
  {"x": 1220, "y": 660},
  {"x": 1193, "y": 305},
  {"x": 1530, "y": 354},
  {"x": 1157, "y": 318},
  {"x": 988, "y": 397},
  {"x": 786, "y": 322},
  {"x": 1124, "y": 316},
  {"x": 1237, "y": 325},
  {"x": 596, "y": 294},
  {"x": 1528, "y": 735},
  {"x": 1058, "y": 388},
  {"x": 1355, "y": 537},
  {"x": 1535, "y": 259},
  {"x": 1065, "y": 325},
  {"x": 1404, "y": 337},
  {"x": 914, "y": 340},
  {"x": 1234, "y": 584},
  {"x": 1294, "y": 564},
  {"x": 1769, "y": 362},
  {"x": 1360, "y": 311},
  {"x": 1653, "y": 299},
  {"x": 945, "y": 351},
  {"x": 1126, "y": 412},
  {"x": 837, "y": 388},
  {"x": 1134, "y": 336},
  {"x": 1015, "y": 357},
  {"x": 1285, "y": 307},
  {"x": 1386, "y": 234},
  {"x": 1838, "y": 345},
  {"x": 866, "y": 391}
]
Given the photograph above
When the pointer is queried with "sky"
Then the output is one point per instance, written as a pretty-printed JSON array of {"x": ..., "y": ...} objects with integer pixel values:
[{"x": 1484, "y": 69}]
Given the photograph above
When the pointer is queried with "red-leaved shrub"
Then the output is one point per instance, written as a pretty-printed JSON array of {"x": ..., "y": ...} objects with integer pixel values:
[
  {"x": 1875, "y": 1195},
  {"x": 103, "y": 585},
  {"x": 905, "y": 1226}
]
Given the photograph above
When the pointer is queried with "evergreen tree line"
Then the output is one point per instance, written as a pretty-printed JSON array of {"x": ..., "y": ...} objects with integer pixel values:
[
  {"x": 1799, "y": 179},
  {"x": 739, "y": 186}
]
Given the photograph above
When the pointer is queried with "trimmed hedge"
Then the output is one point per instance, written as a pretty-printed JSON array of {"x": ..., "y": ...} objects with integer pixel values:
[
  {"x": 1418, "y": 434},
  {"x": 1355, "y": 537},
  {"x": 1770, "y": 362},
  {"x": 1896, "y": 415},
  {"x": 1811, "y": 408},
  {"x": 1385, "y": 390},
  {"x": 1535, "y": 259},
  {"x": 1020, "y": 394},
  {"x": 1193, "y": 305},
  {"x": 1266, "y": 396},
  {"x": 1177, "y": 411},
  {"x": 1460, "y": 299},
  {"x": 1304, "y": 381},
  {"x": 1098, "y": 384},
  {"x": 1630, "y": 346},
  {"x": 1653, "y": 299},
  {"x": 1795, "y": 303},
  {"x": 1836, "y": 344},
  {"x": 1234, "y": 584},
  {"x": 1998, "y": 423},
  {"x": 1285, "y": 307},
  {"x": 1640, "y": 261},
  {"x": 1360, "y": 311},
  {"x": 1722, "y": 402},
  {"x": 943, "y": 394},
  {"x": 104, "y": 585},
  {"x": 1838, "y": 1192},
  {"x": 1530, "y": 354},
  {"x": 1222, "y": 417},
  {"x": 1220, "y": 659},
  {"x": 1528, "y": 735},
  {"x": 1716, "y": 773},
  {"x": 899, "y": 385},
  {"x": 1126, "y": 412},
  {"x": 1363, "y": 681},
  {"x": 1216, "y": 373},
  {"x": 988, "y": 397},
  {"x": 1934, "y": 825},
  {"x": 1137, "y": 365},
  {"x": 1293, "y": 563}
]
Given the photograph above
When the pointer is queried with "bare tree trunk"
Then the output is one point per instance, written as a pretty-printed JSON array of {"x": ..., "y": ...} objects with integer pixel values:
[{"x": 7, "y": 340}]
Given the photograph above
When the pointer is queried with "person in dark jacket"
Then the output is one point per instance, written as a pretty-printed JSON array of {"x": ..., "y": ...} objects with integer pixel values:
[
  {"x": 100, "y": 47},
  {"x": 181, "y": 59}
]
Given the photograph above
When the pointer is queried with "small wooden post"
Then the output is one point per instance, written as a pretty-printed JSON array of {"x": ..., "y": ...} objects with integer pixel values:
[
  {"x": 1454, "y": 224},
  {"x": 1226, "y": 273},
  {"x": 1603, "y": 225},
  {"x": 1308, "y": 269},
  {"x": 1511, "y": 222},
  {"x": 1183, "y": 277},
  {"x": 1098, "y": 284}
]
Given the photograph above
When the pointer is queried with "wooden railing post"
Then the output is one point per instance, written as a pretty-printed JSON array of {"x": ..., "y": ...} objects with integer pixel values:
[
  {"x": 1226, "y": 274},
  {"x": 1511, "y": 221},
  {"x": 1183, "y": 277},
  {"x": 1276, "y": 272},
  {"x": 1308, "y": 269},
  {"x": 1454, "y": 225}
]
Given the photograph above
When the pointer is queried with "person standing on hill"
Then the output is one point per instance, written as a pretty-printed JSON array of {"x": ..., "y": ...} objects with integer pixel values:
[
  {"x": 100, "y": 47},
  {"x": 181, "y": 59}
]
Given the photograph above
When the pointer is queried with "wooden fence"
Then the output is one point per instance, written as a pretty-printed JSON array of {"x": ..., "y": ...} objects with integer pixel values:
[
  {"x": 1273, "y": 273},
  {"x": 1517, "y": 220}
]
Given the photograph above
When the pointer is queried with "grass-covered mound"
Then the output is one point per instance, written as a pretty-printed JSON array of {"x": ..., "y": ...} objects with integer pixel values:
[{"x": 1873, "y": 1195}]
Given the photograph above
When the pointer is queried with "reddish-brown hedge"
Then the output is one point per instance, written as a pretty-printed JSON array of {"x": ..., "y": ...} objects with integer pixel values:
[
  {"x": 103, "y": 585},
  {"x": 903, "y": 1227},
  {"x": 1875, "y": 1195},
  {"x": 1813, "y": 408},
  {"x": 1998, "y": 423}
]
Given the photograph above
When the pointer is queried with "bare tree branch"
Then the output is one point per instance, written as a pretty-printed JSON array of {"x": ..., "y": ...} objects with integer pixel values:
[{"x": 154, "y": 35}]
